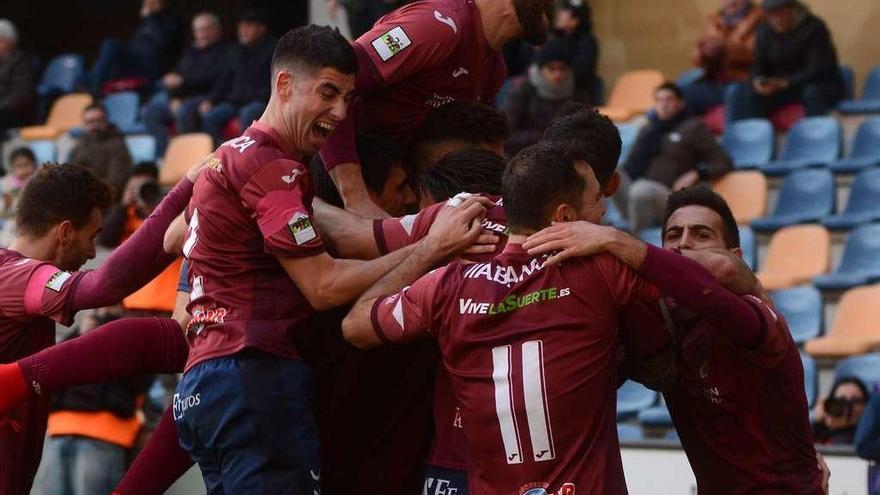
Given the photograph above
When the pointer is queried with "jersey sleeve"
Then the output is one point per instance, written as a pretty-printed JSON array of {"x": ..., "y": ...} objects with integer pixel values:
[
  {"x": 276, "y": 194},
  {"x": 409, "y": 314},
  {"x": 49, "y": 292},
  {"x": 777, "y": 342},
  {"x": 624, "y": 283},
  {"x": 392, "y": 234}
]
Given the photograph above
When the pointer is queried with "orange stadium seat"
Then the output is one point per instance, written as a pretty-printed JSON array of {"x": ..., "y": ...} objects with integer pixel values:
[
  {"x": 633, "y": 94},
  {"x": 795, "y": 255},
  {"x": 66, "y": 113},
  {"x": 746, "y": 193},
  {"x": 855, "y": 327},
  {"x": 184, "y": 151}
]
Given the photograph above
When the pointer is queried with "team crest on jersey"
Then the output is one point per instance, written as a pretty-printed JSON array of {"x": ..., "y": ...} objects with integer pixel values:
[
  {"x": 541, "y": 489},
  {"x": 300, "y": 227},
  {"x": 391, "y": 43},
  {"x": 57, "y": 281}
]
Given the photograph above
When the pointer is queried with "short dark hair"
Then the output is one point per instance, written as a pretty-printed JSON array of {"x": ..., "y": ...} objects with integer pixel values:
[
  {"x": 95, "y": 106},
  {"x": 670, "y": 86},
  {"x": 59, "y": 192},
  {"x": 313, "y": 47},
  {"x": 593, "y": 136},
  {"x": 23, "y": 151},
  {"x": 472, "y": 171},
  {"x": 146, "y": 168},
  {"x": 703, "y": 196},
  {"x": 538, "y": 179},
  {"x": 850, "y": 380},
  {"x": 463, "y": 120}
]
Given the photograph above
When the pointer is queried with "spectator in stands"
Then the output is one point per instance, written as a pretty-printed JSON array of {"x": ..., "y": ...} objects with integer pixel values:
[
  {"x": 16, "y": 80},
  {"x": 725, "y": 52},
  {"x": 361, "y": 14},
  {"x": 92, "y": 429},
  {"x": 152, "y": 49},
  {"x": 867, "y": 441},
  {"x": 671, "y": 152},
  {"x": 22, "y": 164},
  {"x": 837, "y": 416},
  {"x": 795, "y": 61},
  {"x": 243, "y": 89},
  {"x": 550, "y": 84},
  {"x": 102, "y": 148},
  {"x": 573, "y": 24},
  {"x": 140, "y": 196},
  {"x": 189, "y": 83}
]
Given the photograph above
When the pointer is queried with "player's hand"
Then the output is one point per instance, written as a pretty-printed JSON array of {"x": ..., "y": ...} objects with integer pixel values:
[
  {"x": 458, "y": 225},
  {"x": 686, "y": 180},
  {"x": 569, "y": 239},
  {"x": 485, "y": 243},
  {"x": 196, "y": 170}
]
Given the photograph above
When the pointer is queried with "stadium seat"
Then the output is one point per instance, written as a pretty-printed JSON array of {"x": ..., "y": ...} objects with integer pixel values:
[
  {"x": 627, "y": 432},
  {"x": 66, "y": 113},
  {"x": 795, "y": 255},
  {"x": 814, "y": 141},
  {"x": 656, "y": 417},
  {"x": 750, "y": 142},
  {"x": 854, "y": 330},
  {"x": 61, "y": 75},
  {"x": 807, "y": 196},
  {"x": 866, "y": 368},
  {"x": 811, "y": 378},
  {"x": 802, "y": 309},
  {"x": 849, "y": 81},
  {"x": 865, "y": 149},
  {"x": 749, "y": 246},
  {"x": 745, "y": 192},
  {"x": 184, "y": 150},
  {"x": 690, "y": 76},
  {"x": 142, "y": 148},
  {"x": 632, "y": 397},
  {"x": 44, "y": 150},
  {"x": 628, "y": 134},
  {"x": 653, "y": 236},
  {"x": 632, "y": 95},
  {"x": 860, "y": 264},
  {"x": 122, "y": 110},
  {"x": 869, "y": 102},
  {"x": 863, "y": 205}
]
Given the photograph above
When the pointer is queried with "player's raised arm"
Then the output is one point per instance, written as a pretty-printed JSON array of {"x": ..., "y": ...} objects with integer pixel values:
[{"x": 350, "y": 234}]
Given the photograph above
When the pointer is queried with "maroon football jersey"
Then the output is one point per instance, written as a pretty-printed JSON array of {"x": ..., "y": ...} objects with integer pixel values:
[
  {"x": 251, "y": 205},
  {"x": 531, "y": 352},
  {"x": 34, "y": 296}
]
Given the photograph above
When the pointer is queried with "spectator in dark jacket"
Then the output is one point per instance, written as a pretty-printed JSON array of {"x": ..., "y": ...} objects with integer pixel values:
[
  {"x": 672, "y": 152},
  {"x": 189, "y": 83},
  {"x": 574, "y": 25},
  {"x": 102, "y": 149},
  {"x": 152, "y": 49},
  {"x": 16, "y": 80},
  {"x": 244, "y": 88},
  {"x": 550, "y": 84},
  {"x": 795, "y": 61}
]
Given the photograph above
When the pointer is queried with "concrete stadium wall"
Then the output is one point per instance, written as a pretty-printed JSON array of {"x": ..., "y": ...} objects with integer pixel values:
[{"x": 635, "y": 34}]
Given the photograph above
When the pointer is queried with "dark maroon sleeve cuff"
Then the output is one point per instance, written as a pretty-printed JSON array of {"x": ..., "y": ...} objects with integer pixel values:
[
  {"x": 374, "y": 318},
  {"x": 379, "y": 235}
]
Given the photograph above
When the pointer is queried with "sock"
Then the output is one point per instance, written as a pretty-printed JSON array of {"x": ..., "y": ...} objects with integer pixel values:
[
  {"x": 13, "y": 387},
  {"x": 121, "y": 348},
  {"x": 159, "y": 465}
]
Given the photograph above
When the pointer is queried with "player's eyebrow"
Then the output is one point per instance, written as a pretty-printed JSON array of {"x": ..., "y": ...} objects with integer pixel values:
[
  {"x": 332, "y": 87},
  {"x": 698, "y": 227}
]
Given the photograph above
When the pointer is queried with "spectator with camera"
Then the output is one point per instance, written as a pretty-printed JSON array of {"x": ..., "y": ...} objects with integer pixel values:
[
  {"x": 140, "y": 195},
  {"x": 101, "y": 148},
  {"x": 837, "y": 416}
]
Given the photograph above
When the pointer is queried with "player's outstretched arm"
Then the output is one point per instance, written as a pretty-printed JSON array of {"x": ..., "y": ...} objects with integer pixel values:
[
  {"x": 351, "y": 235},
  {"x": 175, "y": 235}
]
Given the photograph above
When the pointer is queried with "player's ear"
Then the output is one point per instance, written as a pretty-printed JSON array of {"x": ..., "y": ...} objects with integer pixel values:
[
  {"x": 64, "y": 231},
  {"x": 612, "y": 185},
  {"x": 563, "y": 213},
  {"x": 284, "y": 84},
  {"x": 737, "y": 251}
]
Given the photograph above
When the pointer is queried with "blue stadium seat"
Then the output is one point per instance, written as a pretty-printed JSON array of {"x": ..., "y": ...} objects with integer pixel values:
[
  {"x": 44, "y": 150},
  {"x": 869, "y": 102},
  {"x": 142, "y": 148},
  {"x": 860, "y": 264},
  {"x": 656, "y": 417},
  {"x": 632, "y": 397},
  {"x": 689, "y": 77},
  {"x": 628, "y": 432},
  {"x": 814, "y": 141},
  {"x": 802, "y": 309},
  {"x": 653, "y": 236},
  {"x": 807, "y": 196},
  {"x": 628, "y": 133},
  {"x": 122, "y": 110},
  {"x": 749, "y": 246},
  {"x": 811, "y": 378},
  {"x": 750, "y": 142},
  {"x": 613, "y": 216},
  {"x": 865, "y": 149},
  {"x": 865, "y": 367},
  {"x": 62, "y": 74},
  {"x": 849, "y": 81},
  {"x": 863, "y": 205}
]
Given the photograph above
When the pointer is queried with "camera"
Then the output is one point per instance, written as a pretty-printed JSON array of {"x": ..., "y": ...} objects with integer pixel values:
[
  {"x": 149, "y": 193},
  {"x": 838, "y": 407}
]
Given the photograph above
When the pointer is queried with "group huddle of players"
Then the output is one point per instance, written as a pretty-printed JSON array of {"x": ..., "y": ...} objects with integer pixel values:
[{"x": 510, "y": 314}]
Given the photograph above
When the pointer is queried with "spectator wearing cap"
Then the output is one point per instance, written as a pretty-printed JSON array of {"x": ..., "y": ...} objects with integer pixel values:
[
  {"x": 795, "y": 61},
  {"x": 725, "y": 52},
  {"x": 243, "y": 89},
  {"x": 573, "y": 24},
  {"x": 184, "y": 88},
  {"x": 102, "y": 149},
  {"x": 550, "y": 83},
  {"x": 16, "y": 80}
]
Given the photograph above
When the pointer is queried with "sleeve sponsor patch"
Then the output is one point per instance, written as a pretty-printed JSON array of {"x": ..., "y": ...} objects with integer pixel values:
[
  {"x": 300, "y": 227},
  {"x": 391, "y": 43},
  {"x": 57, "y": 281}
]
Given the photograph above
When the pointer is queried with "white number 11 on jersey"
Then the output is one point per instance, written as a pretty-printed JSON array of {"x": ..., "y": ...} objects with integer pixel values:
[{"x": 535, "y": 395}]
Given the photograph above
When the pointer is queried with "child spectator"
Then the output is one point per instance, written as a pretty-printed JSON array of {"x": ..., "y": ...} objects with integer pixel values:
[{"x": 22, "y": 164}]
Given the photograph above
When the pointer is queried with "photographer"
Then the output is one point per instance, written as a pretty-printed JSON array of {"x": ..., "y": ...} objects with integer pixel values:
[
  {"x": 140, "y": 196},
  {"x": 838, "y": 415}
]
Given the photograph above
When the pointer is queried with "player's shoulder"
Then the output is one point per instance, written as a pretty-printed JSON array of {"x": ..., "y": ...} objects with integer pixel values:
[
  {"x": 424, "y": 21},
  {"x": 13, "y": 264}
]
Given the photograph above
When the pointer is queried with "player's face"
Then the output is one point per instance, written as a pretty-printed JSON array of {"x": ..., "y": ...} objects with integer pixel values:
[
  {"x": 78, "y": 245},
  {"x": 534, "y": 19},
  {"x": 694, "y": 227},
  {"x": 396, "y": 196},
  {"x": 318, "y": 105},
  {"x": 592, "y": 208}
]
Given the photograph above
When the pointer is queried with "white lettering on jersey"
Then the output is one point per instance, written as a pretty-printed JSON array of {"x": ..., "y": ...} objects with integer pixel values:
[
  {"x": 290, "y": 179},
  {"x": 391, "y": 43},
  {"x": 446, "y": 20},
  {"x": 503, "y": 275},
  {"x": 461, "y": 71},
  {"x": 240, "y": 143}
]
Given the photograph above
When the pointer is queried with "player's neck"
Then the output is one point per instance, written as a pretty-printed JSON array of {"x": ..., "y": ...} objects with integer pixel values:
[
  {"x": 38, "y": 249},
  {"x": 274, "y": 120},
  {"x": 517, "y": 238},
  {"x": 499, "y": 20}
]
